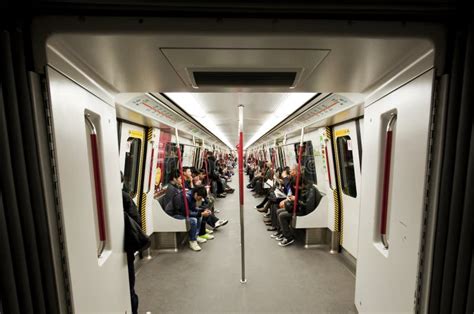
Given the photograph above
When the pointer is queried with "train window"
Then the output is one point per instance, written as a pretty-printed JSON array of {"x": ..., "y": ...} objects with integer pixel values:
[
  {"x": 160, "y": 166},
  {"x": 346, "y": 164},
  {"x": 187, "y": 155},
  {"x": 171, "y": 162},
  {"x": 281, "y": 157},
  {"x": 197, "y": 158},
  {"x": 132, "y": 164},
  {"x": 308, "y": 166}
]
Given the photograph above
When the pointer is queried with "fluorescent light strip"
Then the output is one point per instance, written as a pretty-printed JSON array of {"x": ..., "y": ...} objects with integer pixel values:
[
  {"x": 292, "y": 102},
  {"x": 189, "y": 104}
]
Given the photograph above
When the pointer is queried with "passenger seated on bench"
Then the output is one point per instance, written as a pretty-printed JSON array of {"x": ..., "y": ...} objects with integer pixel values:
[
  {"x": 193, "y": 197},
  {"x": 212, "y": 220},
  {"x": 308, "y": 199},
  {"x": 188, "y": 178},
  {"x": 174, "y": 187}
]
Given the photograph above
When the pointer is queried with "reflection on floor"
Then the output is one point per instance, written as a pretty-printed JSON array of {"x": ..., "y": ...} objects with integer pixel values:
[{"x": 279, "y": 279}]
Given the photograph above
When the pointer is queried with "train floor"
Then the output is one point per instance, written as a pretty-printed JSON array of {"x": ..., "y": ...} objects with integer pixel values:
[{"x": 279, "y": 279}]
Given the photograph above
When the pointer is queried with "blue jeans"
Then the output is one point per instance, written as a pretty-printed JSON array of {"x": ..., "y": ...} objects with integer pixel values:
[{"x": 195, "y": 223}]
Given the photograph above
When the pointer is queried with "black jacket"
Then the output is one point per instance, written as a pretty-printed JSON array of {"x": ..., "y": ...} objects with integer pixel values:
[
  {"x": 308, "y": 201},
  {"x": 129, "y": 207}
]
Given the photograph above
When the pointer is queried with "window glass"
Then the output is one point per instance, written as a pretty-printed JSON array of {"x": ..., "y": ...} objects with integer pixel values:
[
  {"x": 281, "y": 157},
  {"x": 346, "y": 165},
  {"x": 160, "y": 166},
  {"x": 187, "y": 155},
  {"x": 131, "y": 171},
  {"x": 170, "y": 163},
  {"x": 307, "y": 160}
]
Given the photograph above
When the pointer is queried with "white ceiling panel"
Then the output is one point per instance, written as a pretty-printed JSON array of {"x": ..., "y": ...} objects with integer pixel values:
[{"x": 219, "y": 111}]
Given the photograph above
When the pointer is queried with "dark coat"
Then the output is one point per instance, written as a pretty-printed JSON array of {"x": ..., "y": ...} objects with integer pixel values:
[{"x": 308, "y": 201}]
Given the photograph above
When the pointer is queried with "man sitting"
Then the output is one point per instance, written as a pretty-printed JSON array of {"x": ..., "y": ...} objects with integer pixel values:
[
  {"x": 196, "y": 214},
  {"x": 308, "y": 200}
]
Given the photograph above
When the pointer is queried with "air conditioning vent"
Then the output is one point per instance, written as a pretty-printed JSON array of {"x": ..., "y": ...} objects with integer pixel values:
[{"x": 224, "y": 78}]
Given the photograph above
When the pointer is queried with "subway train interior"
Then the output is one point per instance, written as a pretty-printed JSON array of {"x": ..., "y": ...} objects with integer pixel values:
[{"x": 277, "y": 165}]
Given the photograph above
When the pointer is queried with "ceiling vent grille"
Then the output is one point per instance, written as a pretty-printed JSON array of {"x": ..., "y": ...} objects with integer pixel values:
[{"x": 229, "y": 78}]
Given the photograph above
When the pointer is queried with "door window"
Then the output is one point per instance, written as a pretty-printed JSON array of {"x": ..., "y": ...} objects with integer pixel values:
[
  {"x": 346, "y": 165},
  {"x": 132, "y": 163}
]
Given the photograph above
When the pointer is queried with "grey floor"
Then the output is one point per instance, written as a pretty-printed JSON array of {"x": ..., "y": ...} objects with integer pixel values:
[{"x": 279, "y": 280}]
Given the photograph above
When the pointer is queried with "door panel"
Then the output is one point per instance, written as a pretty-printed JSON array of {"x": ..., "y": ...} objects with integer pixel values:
[
  {"x": 386, "y": 277},
  {"x": 97, "y": 284},
  {"x": 348, "y": 169}
]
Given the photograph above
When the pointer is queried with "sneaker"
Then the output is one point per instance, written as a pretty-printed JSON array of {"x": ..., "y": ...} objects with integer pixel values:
[
  {"x": 275, "y": 235},
  {"x": 221, "y": 195},
  {"x": 267, "y": 219},
  {"x": 262, "y": 210},
  {"x": 267, "y": 215},
  {"x": 200, "y": 239},
  {"x": 259, "y": 206},
  {"x": 194, "y": 246},
  {"x": 271, "y": 229},
  {"x": 207, "y": 236},
  {"x": 221, "y": 223},
  {"x": 286, "y": 241},
  {"x": 280, "y": 237},
  {"x": 209, "y": 231}
]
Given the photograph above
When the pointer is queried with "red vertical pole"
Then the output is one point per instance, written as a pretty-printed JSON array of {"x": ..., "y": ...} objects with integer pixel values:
[
  {"x": 241, "y": 190},
  {"x": 298, "y": 174},
  {"x": 186, "y": 206}
]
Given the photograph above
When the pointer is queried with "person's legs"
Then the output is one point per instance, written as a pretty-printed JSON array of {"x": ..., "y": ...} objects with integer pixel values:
[
  {"x": 131, "y": 279},
  {"x": 263, "y": 202},
  {"x": 284, "y": 219},
  {"x": 202, "y": 227}
]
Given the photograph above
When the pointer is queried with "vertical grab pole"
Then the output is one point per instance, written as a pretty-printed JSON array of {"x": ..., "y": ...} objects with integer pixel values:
[
  {"x": 180, "y": 163},
  {"x": 300, "y": 150},
  {"x": 241, "y": 189}
]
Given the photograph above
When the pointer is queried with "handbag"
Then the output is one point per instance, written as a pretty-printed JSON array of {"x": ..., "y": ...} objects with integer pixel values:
[{"x": 135, "y": 238}]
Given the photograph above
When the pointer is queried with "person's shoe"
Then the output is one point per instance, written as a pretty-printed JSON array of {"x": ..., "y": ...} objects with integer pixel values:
[
  {"x": 209, "y": 231},
  {"x": 286, "y": 242},
  {"x": 207, "y": 236},
  {"x": 230, "y": 191},
  {"x": 268, "y": 223},
  {"x": 267, "y": 215},
  {"x": 200, "y": 239},
  {"x": 280, "y": 237},
  {"x": 266, "y": 219},
  {"x": 220, "y": 223},
  {"x": 271, "y": 229},
  {"x": 221, "y": 195},
  {"x": 262, "y": 210},
  {"x": 249, "y": 186},
  {"x": 259, "y": 206},
  {"x": 275, "y": 235},
  {"x": 194, "y": 246}
]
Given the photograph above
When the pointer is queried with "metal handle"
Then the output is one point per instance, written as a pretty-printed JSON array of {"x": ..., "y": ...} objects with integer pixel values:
[
  {"x": 98, "y": 185},
  {"x": 386, "y": 179}
]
